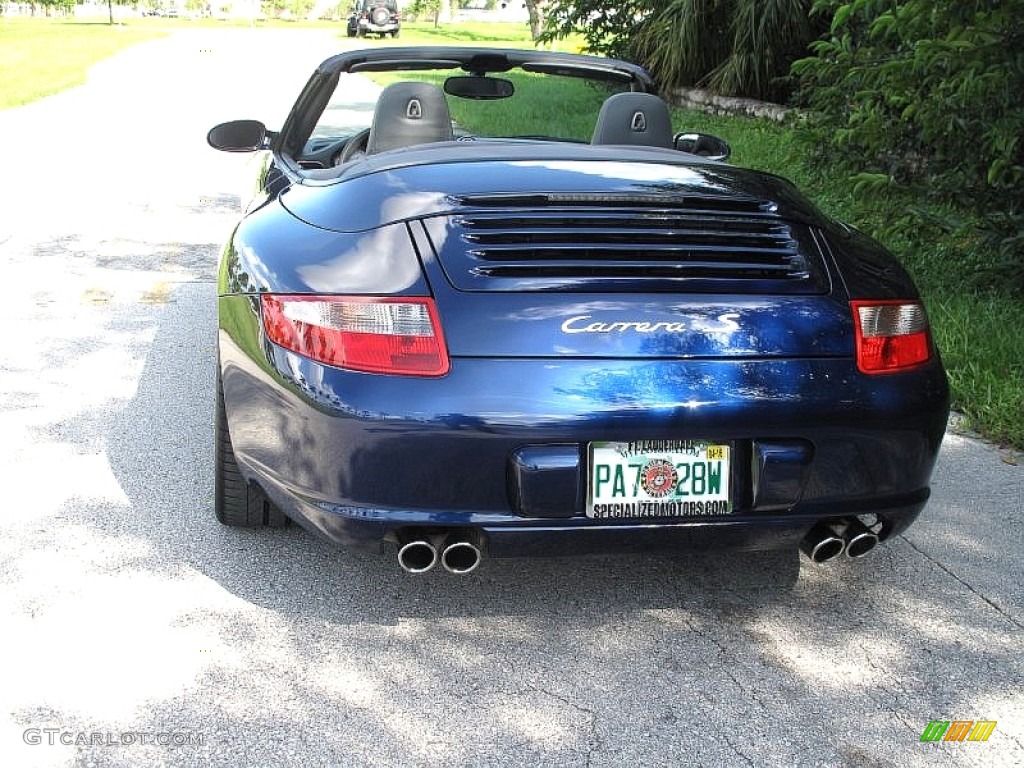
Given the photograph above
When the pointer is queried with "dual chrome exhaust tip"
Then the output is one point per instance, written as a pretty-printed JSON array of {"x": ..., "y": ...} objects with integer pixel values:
[
  {"x": 457, "y": 552},
  {"x": 462, "y": 551},
  {"x": 826, "y": 541}
]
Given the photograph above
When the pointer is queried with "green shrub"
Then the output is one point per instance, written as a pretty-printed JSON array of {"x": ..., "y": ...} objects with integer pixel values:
[
  {"x": 736, "y": 47},
  {"x": 925, "y": 99}
]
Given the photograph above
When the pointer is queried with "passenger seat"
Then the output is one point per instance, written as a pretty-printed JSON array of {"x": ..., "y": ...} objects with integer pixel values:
[{"x": 638, "y": 119}]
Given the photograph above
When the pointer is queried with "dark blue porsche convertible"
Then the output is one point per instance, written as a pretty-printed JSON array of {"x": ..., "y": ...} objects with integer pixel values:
[{"x": 448, "y": 327}]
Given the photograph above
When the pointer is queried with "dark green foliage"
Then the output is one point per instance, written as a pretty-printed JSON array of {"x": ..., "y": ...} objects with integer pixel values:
[
  {"x": 685, "y": 41},
  {"x": 607, "y": 27},
  {"x": 737, "y": 47},
  {"x": 767, "y": 37},
  {"x": 925, "y": 100}
]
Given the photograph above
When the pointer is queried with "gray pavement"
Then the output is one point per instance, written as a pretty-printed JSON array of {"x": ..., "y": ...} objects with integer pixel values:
[{"x": 131, "y": 616}]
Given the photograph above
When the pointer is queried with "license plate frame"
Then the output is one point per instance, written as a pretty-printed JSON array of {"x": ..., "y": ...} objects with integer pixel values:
[{"x": 645, "y": 479}]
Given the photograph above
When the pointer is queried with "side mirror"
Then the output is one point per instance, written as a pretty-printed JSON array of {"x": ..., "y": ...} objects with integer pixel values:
[
  {"x": 239, "y": 136},
  {"x": 703, "y": 144}
]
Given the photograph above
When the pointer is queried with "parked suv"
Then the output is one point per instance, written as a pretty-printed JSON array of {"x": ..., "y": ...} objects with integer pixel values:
[{"x": 374, "y": 16}]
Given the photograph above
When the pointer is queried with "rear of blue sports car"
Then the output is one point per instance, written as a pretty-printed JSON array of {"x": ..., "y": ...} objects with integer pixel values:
[{"x": 525, "y": 351}]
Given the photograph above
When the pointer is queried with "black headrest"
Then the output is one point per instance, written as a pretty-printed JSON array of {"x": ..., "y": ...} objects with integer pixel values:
[
  {"x": 634, "y": 118},
  {"x": 406, "y": 114}
]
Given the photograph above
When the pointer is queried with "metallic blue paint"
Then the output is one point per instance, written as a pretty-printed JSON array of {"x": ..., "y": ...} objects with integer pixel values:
[
  {"x": 546, "y": 480},
  {"x": 411, "y": 184}
]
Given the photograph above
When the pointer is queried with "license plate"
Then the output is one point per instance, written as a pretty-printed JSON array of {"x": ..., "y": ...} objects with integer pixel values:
[{"x": 659, "y": 478}]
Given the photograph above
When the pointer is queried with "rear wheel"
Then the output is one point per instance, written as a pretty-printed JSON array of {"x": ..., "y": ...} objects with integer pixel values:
[{"x": 236, "y": 502}]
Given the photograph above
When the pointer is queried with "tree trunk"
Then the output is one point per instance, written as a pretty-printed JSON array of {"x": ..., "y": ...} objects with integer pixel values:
[
  {"x": 444, "y": 13},
  {"x": 536, "y": 10},
  {"x": 110, "y": 10}
]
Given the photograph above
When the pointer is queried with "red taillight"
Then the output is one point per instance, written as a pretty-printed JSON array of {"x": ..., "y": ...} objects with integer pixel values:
[
  {"x": 399, "y": 336},
  {"x": 891, "y": 335}
]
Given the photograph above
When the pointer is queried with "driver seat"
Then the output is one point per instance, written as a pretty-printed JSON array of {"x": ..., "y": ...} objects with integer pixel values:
[
  {"x": 633, "y": 118},
  {"x": 407, "y": 114}
]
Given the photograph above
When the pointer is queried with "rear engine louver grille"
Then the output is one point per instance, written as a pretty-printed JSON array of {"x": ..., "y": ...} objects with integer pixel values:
[{"x": 735, "y": 241}]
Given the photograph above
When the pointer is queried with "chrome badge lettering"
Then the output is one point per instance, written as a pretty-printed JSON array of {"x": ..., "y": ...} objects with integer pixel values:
[{"x": 725, "y": 323}]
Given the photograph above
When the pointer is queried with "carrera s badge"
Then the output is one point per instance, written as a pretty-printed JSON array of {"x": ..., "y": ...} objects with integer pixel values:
[{"x": 725, "y": 323}]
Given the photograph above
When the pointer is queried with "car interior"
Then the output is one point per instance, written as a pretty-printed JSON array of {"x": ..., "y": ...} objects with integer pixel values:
[{"x": 413, "y": 113}]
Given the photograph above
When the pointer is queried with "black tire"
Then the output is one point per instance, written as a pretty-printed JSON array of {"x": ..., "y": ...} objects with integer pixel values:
[
  {"x": 351, "y": 33},
  {"x": 394, "y": 33},
  {"x": 236, "y": 502}
]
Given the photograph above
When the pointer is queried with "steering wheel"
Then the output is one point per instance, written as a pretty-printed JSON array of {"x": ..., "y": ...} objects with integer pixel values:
[{"x": 354, "y": 146}]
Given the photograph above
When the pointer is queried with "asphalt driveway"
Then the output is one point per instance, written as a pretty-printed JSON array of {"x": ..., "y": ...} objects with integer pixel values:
[{"x": 137, "y": 631}]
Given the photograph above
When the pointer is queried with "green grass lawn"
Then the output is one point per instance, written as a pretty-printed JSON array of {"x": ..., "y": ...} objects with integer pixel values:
[
  {"x": 466, "y": 33},
  {"x": 40, "y": 56},
  {"x": 496, "y": 34},
  {"x": 528, "y": 112}
]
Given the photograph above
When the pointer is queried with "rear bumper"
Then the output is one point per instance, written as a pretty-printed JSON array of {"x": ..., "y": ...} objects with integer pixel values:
[
  {"x": 369, "y": 26},
  {"x": 358, "y": 458},
  {"x": 376, "y": 529}
]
